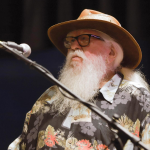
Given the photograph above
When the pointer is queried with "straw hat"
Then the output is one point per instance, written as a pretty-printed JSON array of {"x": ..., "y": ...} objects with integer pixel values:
[{"x": 91, "y": 19}]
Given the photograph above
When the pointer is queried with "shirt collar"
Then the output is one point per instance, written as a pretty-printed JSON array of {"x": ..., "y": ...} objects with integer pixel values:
[{"x": 110, "y": 88}]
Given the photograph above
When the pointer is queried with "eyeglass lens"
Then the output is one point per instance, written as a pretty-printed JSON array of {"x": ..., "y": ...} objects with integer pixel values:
[{"x": 83, "y": 40}]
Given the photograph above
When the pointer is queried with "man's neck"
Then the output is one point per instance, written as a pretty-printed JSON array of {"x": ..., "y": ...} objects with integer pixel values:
[
  {"x": 102, "y": 84},
  {"x": 107, "y": 77}
]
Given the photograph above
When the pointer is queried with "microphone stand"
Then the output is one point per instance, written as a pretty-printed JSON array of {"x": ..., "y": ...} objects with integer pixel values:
[{"x": 111, "y": 122}]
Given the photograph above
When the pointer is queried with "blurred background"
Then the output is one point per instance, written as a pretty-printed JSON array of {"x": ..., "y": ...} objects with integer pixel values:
[{"x": 27, "y": 21}]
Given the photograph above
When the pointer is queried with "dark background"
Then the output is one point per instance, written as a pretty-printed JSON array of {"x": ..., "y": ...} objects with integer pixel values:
[{"x": 27, "y": 21}]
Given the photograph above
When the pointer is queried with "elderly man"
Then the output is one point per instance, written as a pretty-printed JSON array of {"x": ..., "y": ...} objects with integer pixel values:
[{"x": 100, "y": 58}]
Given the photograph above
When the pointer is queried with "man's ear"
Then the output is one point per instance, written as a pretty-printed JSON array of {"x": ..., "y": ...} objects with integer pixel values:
[{"x": 112, "y": 55}]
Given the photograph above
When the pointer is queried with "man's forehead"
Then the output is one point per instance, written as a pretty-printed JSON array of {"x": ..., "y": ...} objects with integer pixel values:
[{"x": 83, "y": 31}]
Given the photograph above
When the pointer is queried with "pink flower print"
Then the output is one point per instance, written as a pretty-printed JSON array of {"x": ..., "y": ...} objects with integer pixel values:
[
  {"x": 50, "y": 140},
  {"x": 101, "y": 147},
  {"x": 84, "y": 145}
]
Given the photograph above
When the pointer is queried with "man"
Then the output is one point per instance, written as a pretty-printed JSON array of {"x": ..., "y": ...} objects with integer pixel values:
[{"x": 100, "y": 58}]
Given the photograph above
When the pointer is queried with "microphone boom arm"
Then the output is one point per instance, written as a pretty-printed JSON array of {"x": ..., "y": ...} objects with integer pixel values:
[{"x": 112, "y": 123}]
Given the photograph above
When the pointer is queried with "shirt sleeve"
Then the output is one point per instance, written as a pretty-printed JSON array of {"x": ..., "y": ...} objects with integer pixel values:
[
  {"x": 144, "y": 101},
  {"x": 139, "y": 115},
  {"x": 146, "y": 131},
  {"x": 32, "y": 120},
  {"x": 15, "y": 144}
]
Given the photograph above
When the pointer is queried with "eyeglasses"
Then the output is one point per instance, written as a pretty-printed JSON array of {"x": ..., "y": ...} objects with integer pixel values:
[{"x": 83, "y": 40}]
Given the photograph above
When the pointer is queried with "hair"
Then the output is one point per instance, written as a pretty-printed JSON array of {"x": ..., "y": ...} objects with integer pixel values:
[{"x": 134, "y": 75}]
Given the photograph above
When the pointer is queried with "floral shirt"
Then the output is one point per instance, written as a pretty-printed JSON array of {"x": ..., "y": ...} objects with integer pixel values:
[{"x": 79, "y": 128}]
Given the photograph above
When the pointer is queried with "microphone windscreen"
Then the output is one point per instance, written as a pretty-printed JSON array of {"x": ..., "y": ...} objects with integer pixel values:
[{"x": 26, "y": 49}]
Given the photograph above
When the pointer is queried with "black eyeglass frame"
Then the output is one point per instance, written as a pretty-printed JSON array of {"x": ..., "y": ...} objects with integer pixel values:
[{"x": 90, "y": 35}]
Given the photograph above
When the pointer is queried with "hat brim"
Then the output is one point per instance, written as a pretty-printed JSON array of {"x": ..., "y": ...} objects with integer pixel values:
[{"x": 131, "y": 49}]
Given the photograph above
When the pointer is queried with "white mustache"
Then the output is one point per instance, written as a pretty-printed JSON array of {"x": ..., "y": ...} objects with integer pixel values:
[{"x": 78, "y": 53}]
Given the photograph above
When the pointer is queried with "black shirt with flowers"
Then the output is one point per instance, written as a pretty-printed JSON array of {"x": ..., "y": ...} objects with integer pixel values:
[{"x": 79, "y": 128}]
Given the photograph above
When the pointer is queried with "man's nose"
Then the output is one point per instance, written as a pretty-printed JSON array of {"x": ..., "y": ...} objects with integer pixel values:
[{"x": 75, "y": 45}]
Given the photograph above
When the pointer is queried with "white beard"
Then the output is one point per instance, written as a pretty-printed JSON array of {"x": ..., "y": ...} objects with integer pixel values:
[{"x": 82, "y": 78}]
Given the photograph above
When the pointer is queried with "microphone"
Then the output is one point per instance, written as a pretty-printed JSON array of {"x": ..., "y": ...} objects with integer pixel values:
[{"x": 24, "y": 48}]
